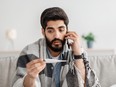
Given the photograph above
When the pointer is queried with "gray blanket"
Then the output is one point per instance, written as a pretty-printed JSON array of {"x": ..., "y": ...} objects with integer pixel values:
[{"x": 69, "y": 73}]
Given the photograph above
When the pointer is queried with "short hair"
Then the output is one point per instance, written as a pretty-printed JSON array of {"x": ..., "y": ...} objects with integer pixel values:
[{"x": 53, "y": 13}]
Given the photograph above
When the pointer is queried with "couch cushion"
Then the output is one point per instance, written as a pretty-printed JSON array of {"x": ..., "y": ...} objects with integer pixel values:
[
  {"x": 7, "y": 70},
  {"x": 105, "y": 67}
]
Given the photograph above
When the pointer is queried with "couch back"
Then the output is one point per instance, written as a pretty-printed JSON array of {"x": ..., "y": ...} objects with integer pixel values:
[{"x": 105, "y": 67}]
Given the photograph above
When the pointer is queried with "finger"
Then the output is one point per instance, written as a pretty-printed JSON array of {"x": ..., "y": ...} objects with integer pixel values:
[
  {"x": 72, "y": 37},
  {"x": 33, "y": 72},
  {"x": 36, "y": 65},
  {"x": 71, "y": 34},
  {"x": 33, "y": 66},
  {"x": 33, "y": 62},
  {"x": 37, "y": 68}
]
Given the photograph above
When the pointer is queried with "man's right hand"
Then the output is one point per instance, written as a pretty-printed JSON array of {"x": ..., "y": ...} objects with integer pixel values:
[{"x": 35, "y": 67}]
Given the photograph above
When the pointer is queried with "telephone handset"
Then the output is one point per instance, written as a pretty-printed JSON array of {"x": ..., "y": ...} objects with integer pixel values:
[{"x": 69, "y": 41}]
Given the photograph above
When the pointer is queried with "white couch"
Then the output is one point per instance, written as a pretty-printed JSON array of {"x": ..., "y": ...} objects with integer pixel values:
[
  {"x": 104, "y": 65},
  {"x": 8, "y": 62}
]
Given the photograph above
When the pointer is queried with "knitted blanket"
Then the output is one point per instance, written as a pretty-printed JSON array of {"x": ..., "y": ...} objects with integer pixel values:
[{"x": 69, "y": 74}]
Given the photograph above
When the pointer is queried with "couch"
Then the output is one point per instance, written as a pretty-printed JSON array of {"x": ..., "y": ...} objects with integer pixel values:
[{"x": 104, "y": 65}]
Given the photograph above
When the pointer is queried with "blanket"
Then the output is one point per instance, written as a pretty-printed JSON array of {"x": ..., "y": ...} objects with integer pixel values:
[{"x": 69, "y": 74}]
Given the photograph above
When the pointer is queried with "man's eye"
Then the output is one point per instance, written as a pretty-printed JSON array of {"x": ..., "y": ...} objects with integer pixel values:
[
  {"x": 61, "y": 30},
  {"x": 50, "y": 31}
]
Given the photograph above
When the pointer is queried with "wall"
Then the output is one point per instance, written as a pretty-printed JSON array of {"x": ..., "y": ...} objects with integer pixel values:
[{"x": 97, "y": 16}]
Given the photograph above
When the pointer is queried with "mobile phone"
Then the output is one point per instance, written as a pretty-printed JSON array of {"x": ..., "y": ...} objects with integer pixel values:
[{"x": 69, "y": 41}]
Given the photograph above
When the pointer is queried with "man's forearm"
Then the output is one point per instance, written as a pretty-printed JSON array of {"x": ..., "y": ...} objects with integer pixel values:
[
  {"x": 80, "y": 65},
  {"x": 29, "y": 82}
]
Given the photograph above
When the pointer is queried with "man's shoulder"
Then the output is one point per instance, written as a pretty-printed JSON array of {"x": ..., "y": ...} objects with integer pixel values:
[
  {"x": 32, "y": 47},
  {"x": 33, "y": 44}
]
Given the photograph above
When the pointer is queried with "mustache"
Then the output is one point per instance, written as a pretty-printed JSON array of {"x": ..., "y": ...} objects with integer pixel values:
[{"x": 56, "y": 39}]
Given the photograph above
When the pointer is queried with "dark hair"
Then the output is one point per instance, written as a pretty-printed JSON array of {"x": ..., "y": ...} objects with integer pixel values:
[{"x": 53, "y": 13}]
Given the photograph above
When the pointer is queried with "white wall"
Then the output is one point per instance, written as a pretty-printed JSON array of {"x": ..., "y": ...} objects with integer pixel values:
[{"x": 97, "y": 16}]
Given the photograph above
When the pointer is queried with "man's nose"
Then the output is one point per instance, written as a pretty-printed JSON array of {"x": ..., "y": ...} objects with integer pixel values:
[{"x": 57, "y": 35}]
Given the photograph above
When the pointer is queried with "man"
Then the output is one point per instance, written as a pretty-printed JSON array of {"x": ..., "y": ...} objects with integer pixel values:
[{"x": 33, "y": 67}]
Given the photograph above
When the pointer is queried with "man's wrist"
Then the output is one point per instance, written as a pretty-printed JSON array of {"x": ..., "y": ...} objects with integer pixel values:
[
  {"x": 29, "y": 81},
  {"x": 78, "y": 56}
]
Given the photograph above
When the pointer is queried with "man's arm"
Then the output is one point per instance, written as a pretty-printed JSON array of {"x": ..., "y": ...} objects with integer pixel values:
[
  {"x": 80, "y": 65},
  {"x": 76, "y": 48},
  {"x": 33, "y": 69},
  {"x": 28, "y": 76}
]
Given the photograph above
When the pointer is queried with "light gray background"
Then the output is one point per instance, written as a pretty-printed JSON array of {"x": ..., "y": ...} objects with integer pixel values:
[{"x": 97, "y": 16}]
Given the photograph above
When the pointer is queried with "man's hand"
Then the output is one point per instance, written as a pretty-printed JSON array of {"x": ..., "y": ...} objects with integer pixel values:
[
  {"x": 33, "y": 69},
  {"x": 76, "y": 46}
]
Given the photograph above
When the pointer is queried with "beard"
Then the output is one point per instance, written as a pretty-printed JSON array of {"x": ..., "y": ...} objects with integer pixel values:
[{"x": 55, "y": 47}]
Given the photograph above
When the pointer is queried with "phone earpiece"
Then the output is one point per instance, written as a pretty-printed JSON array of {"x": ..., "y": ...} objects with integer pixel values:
[{"x": 70, "y": 41}]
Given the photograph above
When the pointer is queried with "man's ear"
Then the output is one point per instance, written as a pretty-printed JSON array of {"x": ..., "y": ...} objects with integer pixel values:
[{"x": 43, "y": 31}]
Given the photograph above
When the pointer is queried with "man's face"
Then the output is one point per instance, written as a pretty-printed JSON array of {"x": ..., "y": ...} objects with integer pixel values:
[{"x": 54, "y": 33}]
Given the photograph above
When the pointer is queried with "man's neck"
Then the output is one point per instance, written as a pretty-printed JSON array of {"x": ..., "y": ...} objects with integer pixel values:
[{"x": 54, "y": 54}]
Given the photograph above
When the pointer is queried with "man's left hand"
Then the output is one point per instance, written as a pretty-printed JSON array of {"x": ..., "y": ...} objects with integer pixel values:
[{"x": 76, "y": 44}]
